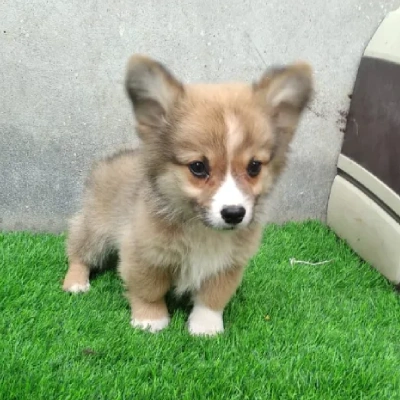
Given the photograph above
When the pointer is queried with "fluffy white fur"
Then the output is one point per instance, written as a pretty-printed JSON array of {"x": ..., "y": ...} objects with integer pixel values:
[
  {"x": 229, "y": 194},
  {"x": 152, "y": 326},
  {"x": 203, "y": 321}
]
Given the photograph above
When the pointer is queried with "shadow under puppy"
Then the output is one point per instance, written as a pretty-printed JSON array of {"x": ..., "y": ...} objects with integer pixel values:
[{"x": 186, "y": 209}]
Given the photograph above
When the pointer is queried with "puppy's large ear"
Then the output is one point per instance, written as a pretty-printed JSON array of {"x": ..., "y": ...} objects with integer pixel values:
[
  {"x": 285, "y": 92},
  {"x": 153, "y": 91}
]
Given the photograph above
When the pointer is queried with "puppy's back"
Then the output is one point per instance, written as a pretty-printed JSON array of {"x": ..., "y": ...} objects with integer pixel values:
[{"x": 111, "y": 190}]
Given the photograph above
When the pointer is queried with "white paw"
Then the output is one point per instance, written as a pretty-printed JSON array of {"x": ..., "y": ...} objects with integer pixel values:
[
  {"x": 204, "y": 321},
  {"x": 153, "y": 326},
  {"x": 78, "y": 288}
]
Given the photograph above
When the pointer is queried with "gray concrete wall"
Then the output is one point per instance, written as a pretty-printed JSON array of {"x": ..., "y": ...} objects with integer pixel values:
[{"x": 62, "y": 101}]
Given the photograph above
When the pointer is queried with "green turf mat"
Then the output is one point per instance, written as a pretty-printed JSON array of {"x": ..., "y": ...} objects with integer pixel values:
[{"x": 327, "y": 331}]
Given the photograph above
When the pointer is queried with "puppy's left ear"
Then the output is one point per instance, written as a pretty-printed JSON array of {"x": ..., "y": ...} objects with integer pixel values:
[
  {"x": 153, "y": 91},
  {"x": 284, "y": 92}
]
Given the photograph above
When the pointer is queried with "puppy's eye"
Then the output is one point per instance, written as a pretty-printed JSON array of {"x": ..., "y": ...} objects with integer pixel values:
[
  {"x": 198, "y": 169},
  {"x": 254, "y": 168}
]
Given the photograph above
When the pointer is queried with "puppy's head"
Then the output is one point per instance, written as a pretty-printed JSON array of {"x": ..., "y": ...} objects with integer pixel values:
[{"x": 213, "y": 152}]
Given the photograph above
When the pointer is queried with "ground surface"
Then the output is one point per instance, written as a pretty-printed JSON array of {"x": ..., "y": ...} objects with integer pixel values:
[{"x": 292, "y": 332}]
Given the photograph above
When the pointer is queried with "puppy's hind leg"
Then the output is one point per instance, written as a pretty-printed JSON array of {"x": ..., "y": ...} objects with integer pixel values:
[{"x": 85, "y": 248}]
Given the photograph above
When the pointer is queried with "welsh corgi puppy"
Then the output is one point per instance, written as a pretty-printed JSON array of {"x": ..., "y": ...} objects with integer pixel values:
[{"x": 186, "y": 209}]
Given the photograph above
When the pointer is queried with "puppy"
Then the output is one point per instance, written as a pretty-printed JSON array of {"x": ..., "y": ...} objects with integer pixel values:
[{"x": 186, "y": 209}]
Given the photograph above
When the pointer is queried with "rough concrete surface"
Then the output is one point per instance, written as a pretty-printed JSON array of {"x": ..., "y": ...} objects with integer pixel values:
[{"x": 62, "y": 101}]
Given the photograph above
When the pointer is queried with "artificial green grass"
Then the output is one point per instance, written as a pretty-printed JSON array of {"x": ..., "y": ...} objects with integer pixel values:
[{"x": 292, "y": 332}]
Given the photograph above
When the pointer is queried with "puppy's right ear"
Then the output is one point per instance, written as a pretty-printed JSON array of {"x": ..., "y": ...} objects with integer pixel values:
[{"x": 153, "y": 91}]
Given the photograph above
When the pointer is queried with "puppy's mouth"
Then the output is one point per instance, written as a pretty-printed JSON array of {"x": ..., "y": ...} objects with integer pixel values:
[
  {"x": 222, "y": 225},
  {"x": 227, "y": 227},
  {"x": 210, "y": 220}
]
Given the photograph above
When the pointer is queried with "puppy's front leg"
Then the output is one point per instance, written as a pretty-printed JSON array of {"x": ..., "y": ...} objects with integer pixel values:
[
  {"x": 210, "y": 301},
  {"x": 147, "y": 287}
]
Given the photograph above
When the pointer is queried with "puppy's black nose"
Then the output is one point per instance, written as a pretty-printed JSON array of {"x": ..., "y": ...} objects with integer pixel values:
[{"x": 233, "y": 214}]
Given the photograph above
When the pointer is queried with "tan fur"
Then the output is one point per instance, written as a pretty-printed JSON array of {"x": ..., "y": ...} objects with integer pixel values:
[
  {"x": 77, "y": 276},
  {"x": 148, "y": 205},
  {"x": 215, "y": 292}
]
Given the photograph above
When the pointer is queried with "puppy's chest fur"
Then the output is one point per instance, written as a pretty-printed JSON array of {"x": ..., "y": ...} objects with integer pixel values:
[
  {"x": 196, "y": 253},
  {"x": 206, "y": 255}
]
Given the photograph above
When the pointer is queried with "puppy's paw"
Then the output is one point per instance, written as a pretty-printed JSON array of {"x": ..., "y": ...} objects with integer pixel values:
[
  {"x": 76, "y": 287},
  {"x": 205, "y": 322},
  {"x": 77, "y": 278},
  {"x": 152, "y": 326}
]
